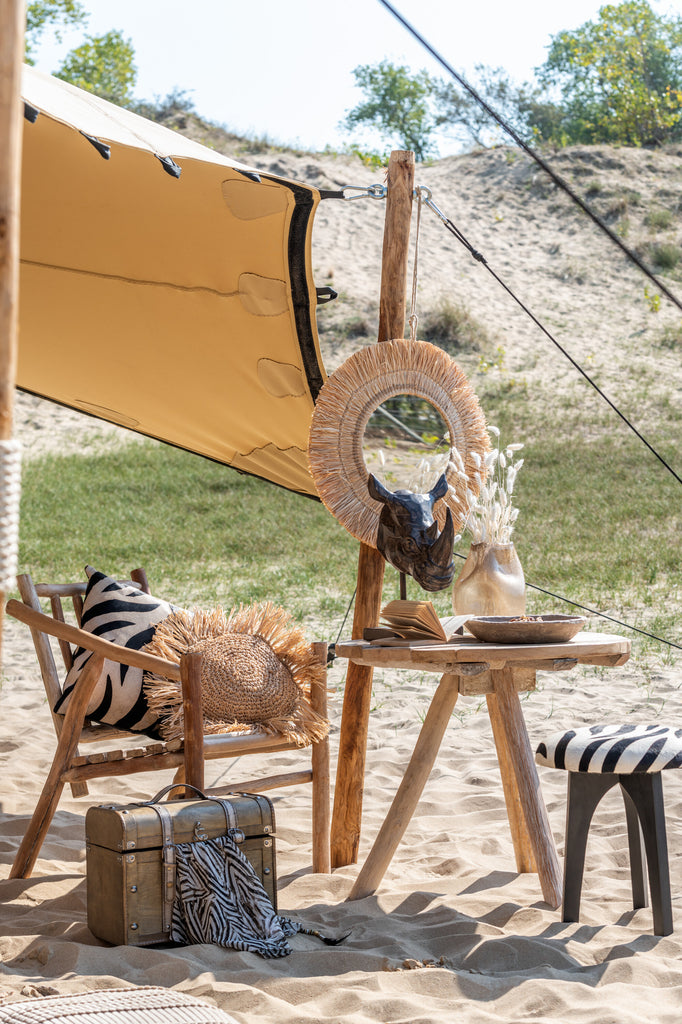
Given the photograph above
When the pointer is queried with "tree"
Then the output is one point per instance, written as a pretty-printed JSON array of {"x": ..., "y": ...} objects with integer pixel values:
[
  {"x": 462, "y": 115},
  {"x": 397, "y": 104},
  {"x": 619, "y": 77},
  {"x": 41, "y": 13},
  {"x": 412, "y": 109},
  {"x": 103, "y": 65}
]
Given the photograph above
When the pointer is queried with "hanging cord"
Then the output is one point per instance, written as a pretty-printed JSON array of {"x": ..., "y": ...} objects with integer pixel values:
[
  {"x": 331, "y": 649},
  {"x": 413, "y": 318},
  {"x": 594, "y": 611},
  {"x": 556, "y": 178},
  {"x": 10, "y": 494},
  {"x": 603, "y": 615},
  {"x": 480, "y": 258}
]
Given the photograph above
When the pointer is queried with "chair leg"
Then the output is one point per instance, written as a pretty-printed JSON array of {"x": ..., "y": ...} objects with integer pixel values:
[
  {"x": 28, "y": 851},
  {"x": 646, "y": 791},
  {"x": 190, "y": 672},
  {"x": 640, "y": 897},
  {"x": 585, "y": 790},
  {"x": 52, "y": 790},
  {"x": 321, "y": 777}
]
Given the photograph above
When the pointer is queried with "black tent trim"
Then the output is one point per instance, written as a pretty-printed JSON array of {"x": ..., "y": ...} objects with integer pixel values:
[{"x": 300, "y": 292}]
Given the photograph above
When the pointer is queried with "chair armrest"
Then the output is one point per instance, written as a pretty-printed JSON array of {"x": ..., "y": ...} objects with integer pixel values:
[{"x": 114, "y": 652}]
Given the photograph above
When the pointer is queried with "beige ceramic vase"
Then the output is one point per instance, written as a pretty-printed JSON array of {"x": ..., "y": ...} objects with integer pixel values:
[{"x": 491, "y": 582}]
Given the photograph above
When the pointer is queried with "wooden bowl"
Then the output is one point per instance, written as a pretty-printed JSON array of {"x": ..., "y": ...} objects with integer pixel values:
[{"x": 512, "y": 629}]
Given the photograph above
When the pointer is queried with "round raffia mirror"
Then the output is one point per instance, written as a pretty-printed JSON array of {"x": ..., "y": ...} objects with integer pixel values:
[{"x": 362, "y": 385}]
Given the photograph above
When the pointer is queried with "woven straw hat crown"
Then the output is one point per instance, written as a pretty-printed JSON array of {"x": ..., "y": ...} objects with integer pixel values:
[
  {"x": 257, "y": 671},
  {"x": 243, "y": 680}
]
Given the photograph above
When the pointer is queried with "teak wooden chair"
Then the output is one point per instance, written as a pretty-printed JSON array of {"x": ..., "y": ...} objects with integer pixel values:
[{"x": 186, "y": 755}]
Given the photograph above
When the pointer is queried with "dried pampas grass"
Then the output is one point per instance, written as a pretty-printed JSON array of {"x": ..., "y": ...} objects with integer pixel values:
[
  {"x": 348, "y": 399},
  {"x": 257, "y": 672}
]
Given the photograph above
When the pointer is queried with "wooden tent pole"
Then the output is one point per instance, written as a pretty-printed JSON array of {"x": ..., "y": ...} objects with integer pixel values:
[
  {"x": 350, "y": 772},
  {"x": 11, "y": 56}
]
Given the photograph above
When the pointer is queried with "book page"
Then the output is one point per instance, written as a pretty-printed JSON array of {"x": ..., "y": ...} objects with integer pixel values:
[{"x": 413, "y": 619}]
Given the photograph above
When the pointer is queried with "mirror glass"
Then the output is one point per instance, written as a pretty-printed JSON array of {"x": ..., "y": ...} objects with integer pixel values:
[{"x": 406, "y": 444}]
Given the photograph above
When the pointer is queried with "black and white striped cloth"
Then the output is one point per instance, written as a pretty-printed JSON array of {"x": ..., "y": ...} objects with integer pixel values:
[
  {"x": 219, "y": 898},
  {"x": 616, "y": 749}
]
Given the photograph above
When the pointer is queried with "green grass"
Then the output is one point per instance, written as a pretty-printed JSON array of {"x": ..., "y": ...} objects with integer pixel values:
[
  {"x": 600, "y": 523},
  {"x": 599, "y": 520},
  {"x": 451, "y": 326},
  {"x": 666, "y": 256},
  {"x": 204, "y": 533},
  {"x": 659, "y": 219}
]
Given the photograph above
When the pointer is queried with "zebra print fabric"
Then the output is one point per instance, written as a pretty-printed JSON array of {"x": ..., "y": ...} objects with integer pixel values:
[
  {"x": 125, "y": 615},
  {"x": 219, "y": 898},
  {"x": 616, "y": 749}
]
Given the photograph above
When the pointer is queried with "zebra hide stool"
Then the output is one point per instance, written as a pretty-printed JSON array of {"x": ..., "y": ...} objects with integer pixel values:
[{"x": 597, "y": 758}]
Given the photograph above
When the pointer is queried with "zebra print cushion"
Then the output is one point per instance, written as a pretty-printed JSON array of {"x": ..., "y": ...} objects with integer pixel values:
[
  {"x": 125, "y": 615},
  {"x": 616, "y": 749}
]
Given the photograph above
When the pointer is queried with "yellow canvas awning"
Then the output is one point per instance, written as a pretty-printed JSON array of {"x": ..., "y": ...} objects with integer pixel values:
[{"x": 183, "y": 306}]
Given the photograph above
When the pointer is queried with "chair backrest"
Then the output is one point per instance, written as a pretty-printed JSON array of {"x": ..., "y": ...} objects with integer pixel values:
[{"x": 59, "y": 595}]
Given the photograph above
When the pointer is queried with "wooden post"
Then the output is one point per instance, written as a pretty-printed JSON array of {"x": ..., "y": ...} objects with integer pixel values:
[
  {"x": 350, "y": 772},
  {"x": 11, "y": 56}
]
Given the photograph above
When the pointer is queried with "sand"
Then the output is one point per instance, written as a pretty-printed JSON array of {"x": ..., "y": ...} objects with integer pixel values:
[{"x": 453, "y": 933}]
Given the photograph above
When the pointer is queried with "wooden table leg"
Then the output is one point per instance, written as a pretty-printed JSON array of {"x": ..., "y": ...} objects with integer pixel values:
[
  {"x": 523, "y": 851},
  {"x": 410, "y": 789},
  {"x": 511, "y": 736}
]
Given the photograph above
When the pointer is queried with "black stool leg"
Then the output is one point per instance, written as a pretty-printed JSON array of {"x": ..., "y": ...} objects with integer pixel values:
[
  {"x": 638, "y": 865},
  {"x": 585, "y": 790},
  {"x": 646, "y": 792}
]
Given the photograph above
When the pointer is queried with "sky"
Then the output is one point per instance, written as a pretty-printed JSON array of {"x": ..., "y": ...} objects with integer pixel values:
[{"x": 285, "y": 69}]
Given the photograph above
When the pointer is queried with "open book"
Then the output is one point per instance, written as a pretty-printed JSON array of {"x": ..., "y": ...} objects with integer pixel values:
[{"x": 417, "y": 620}]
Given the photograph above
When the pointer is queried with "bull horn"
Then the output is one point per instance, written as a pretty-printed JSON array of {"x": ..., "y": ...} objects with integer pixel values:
[{"x": 443, "y": 546}]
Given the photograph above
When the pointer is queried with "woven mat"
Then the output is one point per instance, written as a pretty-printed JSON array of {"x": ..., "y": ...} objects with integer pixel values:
[{"x": 145, "y": 1005}]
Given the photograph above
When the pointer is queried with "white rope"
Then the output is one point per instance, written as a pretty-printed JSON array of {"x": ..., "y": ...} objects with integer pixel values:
[
  {"x": 413, "y": 318},
  {"x": 10, "y": 493}
]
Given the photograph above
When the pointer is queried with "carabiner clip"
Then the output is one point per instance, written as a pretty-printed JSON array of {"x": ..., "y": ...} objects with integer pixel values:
[{"x": 364, "y": 191}]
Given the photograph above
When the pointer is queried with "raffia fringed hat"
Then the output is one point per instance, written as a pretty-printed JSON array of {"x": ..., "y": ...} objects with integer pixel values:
[
  {"x": 348, "y": 399},
  {"x": 257, "y": 670}
]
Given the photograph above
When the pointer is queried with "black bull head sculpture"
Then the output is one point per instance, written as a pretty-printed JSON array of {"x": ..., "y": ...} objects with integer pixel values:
[{"x": 408, "y": 535}]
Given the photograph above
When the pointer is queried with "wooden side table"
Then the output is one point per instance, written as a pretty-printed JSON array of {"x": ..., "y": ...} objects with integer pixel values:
[{"x": 501, "y": 673}]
